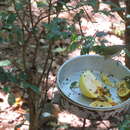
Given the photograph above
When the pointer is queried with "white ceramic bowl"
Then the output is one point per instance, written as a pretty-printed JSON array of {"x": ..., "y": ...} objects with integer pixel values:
[{"x": 70, "y": 71}]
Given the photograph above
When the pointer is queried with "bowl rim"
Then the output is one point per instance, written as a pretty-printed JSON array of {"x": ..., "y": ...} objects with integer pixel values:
[{"x": 123, "y": 104}]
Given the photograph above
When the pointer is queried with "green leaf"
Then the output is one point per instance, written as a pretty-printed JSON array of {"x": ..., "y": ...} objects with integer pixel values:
[
  {"x": 89, "y": 40},
  {"x": 124, "y": 128},
  {"x": 11, "y": 99},
  {"x": 3, "y": 75},
  {"x": 65, "y": 35},
  {"x": 84, "y": 51},
  {"x": 57, "y": 29},
  {"x": 5, "y": 63},
  {"x": 2, "y": 40},
  {"x": 22, "y": 76},
  {"x": 31, "y": 86},
  {"x": 105, "y": 12},
  {"x": 73, "y": 46},
  {"x": 110, "y": 3},
  {"x": 101, "y": 34},
  {"x": 118, "y": 9},
  {"x": 11, "y": 18},
  {"x": 88, "y": 43},
  {"x": 6, "y": 89},
  {"x": 59, "y": 50},
  {"x": 7, "y": 76},
  {"x": 74, "y": 37},
  {"x": 19, "y": 6},
  {"x": 3, "y": 15},
  {"x": 127, "y": 52},
  {"x": 125, "y": 125},
  {"x": 12, "y": 78},
  {"x": 41, "y": 4},
  {"x": 102, "y": 41},
  {"x": 8, "y": 27}
]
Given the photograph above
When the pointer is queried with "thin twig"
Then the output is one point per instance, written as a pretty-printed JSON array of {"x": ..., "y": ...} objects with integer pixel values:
[
  {"x": 54, "y": 13},
  {"x": 37, "y": 40},
  {"x": 45, "y": 64},
  {"x": 39, "y": 18},
  {"x": 46, "y": 83},
  {"x": 24, "y": 56},
  {"x": 49, "y": 49},
  {"x": 43, "y": 98},
  {"x": 49, "y": 11},
  {"x": 30, "y": 12},
  {"x": 80, "y": 27},
  {"x": 19, "y": 17},
  {"x": 37, "y": 47},
  {"x": 23, "y": 26},
  {"x": 87, "y": 14},
  {"x": 35, "y": 37}
]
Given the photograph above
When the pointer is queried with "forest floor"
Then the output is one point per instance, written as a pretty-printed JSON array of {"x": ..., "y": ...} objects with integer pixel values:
[{"x": 11, "y": 116}]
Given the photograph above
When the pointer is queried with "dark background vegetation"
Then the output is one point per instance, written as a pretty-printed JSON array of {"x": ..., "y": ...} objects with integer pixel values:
[{"x": 35, "y": 38}]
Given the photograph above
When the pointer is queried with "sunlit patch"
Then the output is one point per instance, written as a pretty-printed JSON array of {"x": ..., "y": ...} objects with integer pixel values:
[{"x": 72, "y": 120}]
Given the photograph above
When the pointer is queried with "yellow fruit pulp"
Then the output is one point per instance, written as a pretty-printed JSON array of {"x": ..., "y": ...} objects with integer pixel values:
[
  {"x": 100, "y": 104},
  {"x": 89, "y": 85},
  {"x": 123, "y": 91},
  {"x": 106, "y": 80}
]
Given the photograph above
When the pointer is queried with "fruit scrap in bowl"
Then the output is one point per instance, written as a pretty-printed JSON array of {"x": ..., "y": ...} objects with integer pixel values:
[
  {"x": 88, "y": 85},
  {"x": 100, "y": 104},
  {"x": 93, "y": 88},
  {"x": 123, "y": 89},
  {"x": 106, "y": 80}
]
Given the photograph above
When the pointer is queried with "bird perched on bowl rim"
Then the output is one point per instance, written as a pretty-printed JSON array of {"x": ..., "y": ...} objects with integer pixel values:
[{"x": 108, "y": 51}]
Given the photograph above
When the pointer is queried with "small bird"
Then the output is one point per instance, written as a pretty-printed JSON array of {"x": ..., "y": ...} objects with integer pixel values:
[{"x": 108, "y": 51}]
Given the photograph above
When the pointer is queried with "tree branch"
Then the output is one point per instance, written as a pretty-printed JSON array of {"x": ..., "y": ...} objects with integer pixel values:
[
  {"x": 19, "y": 17},
  {"x": 45, "y": 65},
  {"x": 120, "y": 12},
  {"x": 36, "y": 48},
  {"x": 37, "y": 39},
  {"x": 23, "y": 27},
  {"x": 49, "y": 11},
  {"x": 30, "y": 12},
  {"x": 43, "y": 98}
]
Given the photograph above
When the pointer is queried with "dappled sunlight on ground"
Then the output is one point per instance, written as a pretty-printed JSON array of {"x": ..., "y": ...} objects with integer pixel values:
[
  {"x": 72, "y": 120},
  {"x": 4, "y": 104},
  {"x": 11, "y": 116},
  {"x": 68, "y": 118}
]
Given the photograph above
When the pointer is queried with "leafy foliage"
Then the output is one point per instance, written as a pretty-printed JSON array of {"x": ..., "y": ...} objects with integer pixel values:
[
  {"x": 89, "y": 41},
  {"x": 101, "y": 34},
  {"x": 75, "y": 42},
  {"x": 57, "y": 29},
  {"x": 22, "y": 30},
  {"x": 11, "y": 99},
  {"x": 125, "y": 125},
  {"x": 5, "y": 63},
  {"x": 20, "y": 79}
]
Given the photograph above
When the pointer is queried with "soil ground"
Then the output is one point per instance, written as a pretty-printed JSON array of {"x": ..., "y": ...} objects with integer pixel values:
[{"x": 10, "y": 116}]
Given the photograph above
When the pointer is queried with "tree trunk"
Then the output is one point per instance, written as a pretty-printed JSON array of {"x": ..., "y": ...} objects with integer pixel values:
[
  {"x": 127, "y": 33},
  {"x": 34, "y": 122},
  {"x": 33, "y": 99},
  {"x": 33, "y": 112}
]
